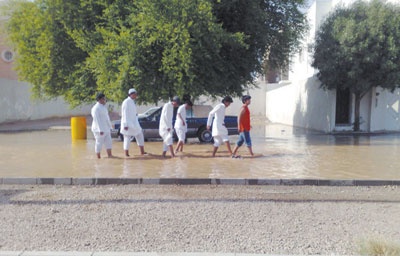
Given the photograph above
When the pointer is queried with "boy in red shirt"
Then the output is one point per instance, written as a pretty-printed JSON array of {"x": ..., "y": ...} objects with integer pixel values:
[{"x": 244, "y": 126}]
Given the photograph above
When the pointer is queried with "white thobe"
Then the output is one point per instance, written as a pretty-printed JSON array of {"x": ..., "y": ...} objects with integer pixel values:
[
  {"x": 218, "y": 126},
  {"x": 101, "y": 119},
  {"x": 167, "y": 113},
  {"x": 129, "y": 118},
  {"x": 178, "y": 122}
]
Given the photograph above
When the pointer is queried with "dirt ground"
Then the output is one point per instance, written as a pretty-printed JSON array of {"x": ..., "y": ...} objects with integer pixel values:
[{"x": 289, "y": 220}]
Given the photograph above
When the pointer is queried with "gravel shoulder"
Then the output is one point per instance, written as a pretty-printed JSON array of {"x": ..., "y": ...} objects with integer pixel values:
[{"x": 302, "y": 220}]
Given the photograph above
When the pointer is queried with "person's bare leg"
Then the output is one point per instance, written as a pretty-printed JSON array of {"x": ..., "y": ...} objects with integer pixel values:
[
  {"x": 142, "y": 152},
  {"x": 126, "y": 152},
  {"x": 228, "y": 145},
  {"x": 251, "y": 151},
  {"x": 109, "y": 153},
  {"x": 164, "y": 153},
  {"x": 214, "y": 151},
  {"x": 171, "y": 149},
  {"x": 179, "y": 146},
  {"x": 235, "y": 150},
  {"x": 98, "y": 155}
]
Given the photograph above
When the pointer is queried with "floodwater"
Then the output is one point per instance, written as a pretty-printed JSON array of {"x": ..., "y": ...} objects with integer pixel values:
[{"x": 282, "y": 152}]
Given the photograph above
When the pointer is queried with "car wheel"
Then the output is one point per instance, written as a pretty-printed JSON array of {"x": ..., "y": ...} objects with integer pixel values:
[{"x": 204, "y": 135}]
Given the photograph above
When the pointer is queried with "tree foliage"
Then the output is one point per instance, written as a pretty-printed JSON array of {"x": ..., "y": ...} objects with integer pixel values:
[
  {"x": 162, "y": 48},
  {"x": 357, "y": 48}
]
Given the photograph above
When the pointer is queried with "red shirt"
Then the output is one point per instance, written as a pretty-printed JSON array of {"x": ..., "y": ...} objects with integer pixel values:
[{"x": 244, "y": 124}]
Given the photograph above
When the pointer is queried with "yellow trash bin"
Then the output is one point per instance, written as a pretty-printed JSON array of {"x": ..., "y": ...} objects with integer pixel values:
[{"x": 78, "y": 128}]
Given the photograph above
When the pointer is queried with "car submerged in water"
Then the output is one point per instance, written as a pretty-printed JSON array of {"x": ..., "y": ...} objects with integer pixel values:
[{"x": 196, "y": 119}]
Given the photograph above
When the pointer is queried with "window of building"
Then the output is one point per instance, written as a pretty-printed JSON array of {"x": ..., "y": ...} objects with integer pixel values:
[{"x": 7, "y": 55}]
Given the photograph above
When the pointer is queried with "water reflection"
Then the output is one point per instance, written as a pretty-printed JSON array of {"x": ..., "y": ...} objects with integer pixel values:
[{"x": 281, "y": 152}]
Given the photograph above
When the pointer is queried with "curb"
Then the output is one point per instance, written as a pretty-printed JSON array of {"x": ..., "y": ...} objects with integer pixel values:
[
  {"x": 183, "y": 181},
  {"x": 72, "y": 253}
]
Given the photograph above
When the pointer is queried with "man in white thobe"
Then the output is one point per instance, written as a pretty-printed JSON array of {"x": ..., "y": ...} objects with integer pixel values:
[
  {"x": 181, "y": 125},
  {"x": 219, "y": 131},
  {"x": 166, "y": 128},
  {"x": 101, "y": 125},
  {"x": 130, "y": 126}
]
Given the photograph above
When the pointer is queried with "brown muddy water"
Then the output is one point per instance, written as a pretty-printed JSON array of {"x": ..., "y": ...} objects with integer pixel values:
[{"x": 281, "y": 152}]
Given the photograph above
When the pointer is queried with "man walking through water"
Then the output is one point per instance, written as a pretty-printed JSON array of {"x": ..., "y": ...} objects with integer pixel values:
[
  {"x": 181, "y": 125},
  {"x": 166, "y": 128},
  {"x": 219, "y": 131},
  {"x": 244, "y": 126},
  {"x": 130, "y": 126},
  {"x": 101, "y": 125}
]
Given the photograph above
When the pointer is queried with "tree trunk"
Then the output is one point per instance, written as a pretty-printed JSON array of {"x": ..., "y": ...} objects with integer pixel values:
[{"x": 357, "y": 112}]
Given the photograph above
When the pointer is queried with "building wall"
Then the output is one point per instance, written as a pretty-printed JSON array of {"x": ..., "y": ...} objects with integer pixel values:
[
  {"x": 16, "y": 104},
  {"x": 385, "y": 110},
  {"x": 301, "y": 104},
  {"x": 300, "y": 101},
  {"x": 304, "y": 104},
  {"x": 6, "y": 70}
]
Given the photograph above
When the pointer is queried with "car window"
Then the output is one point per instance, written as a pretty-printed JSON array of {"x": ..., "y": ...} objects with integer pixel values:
[
  {"x": 189, "y": 112},
  {"x": 150, "y": 111},
  {"x": 156, "y": 115}
]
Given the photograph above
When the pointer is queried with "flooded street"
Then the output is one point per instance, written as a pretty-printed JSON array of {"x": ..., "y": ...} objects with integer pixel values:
[{"x": 281, "y": 152}]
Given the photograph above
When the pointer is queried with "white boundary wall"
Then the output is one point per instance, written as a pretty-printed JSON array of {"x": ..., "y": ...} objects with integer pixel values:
[{"x": 16, "y": 104}]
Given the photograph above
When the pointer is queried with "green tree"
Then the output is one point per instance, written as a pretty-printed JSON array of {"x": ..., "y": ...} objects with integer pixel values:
[
  {"x": 161, "y": 47},
  {"x": 273, "y": 31},
  {"x": 357, "y": 48}
]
